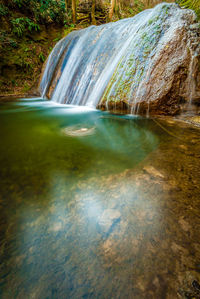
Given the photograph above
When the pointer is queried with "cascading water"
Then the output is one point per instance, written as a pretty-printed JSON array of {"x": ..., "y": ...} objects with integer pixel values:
[{"x": 117, "y": 61}]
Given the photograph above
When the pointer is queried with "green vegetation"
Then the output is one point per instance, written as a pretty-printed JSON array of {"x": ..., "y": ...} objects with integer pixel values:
[
  {"x": 138, "y": 7},
  {"x": 42, "y": 11},
  {"x": 20, "y": 25},
  {"x": 191, "y": 4},
  {"x": 29, "y": 30},
  {"x": 3, "y": 10}
]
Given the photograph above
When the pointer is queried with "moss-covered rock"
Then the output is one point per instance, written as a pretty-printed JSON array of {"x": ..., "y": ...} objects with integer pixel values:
[{"x": 159, "y": 72}]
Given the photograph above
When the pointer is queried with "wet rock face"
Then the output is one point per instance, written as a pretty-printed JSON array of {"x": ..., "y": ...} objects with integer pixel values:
[
  {"x": 170, "y": 77},
  {"x": 148, "y": 64}
]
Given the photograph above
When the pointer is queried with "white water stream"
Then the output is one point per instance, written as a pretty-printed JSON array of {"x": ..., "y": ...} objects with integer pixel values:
[{"x": 112, "y": 61}]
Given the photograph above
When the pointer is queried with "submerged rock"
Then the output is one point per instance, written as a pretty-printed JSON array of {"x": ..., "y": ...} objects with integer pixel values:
[
  {"x": 108, "y": 219},
  {"x": 153, "y": 172},
  {"x": 145, "y": 64}
]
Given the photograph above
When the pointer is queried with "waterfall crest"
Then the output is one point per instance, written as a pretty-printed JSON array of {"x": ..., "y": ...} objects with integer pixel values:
[{"x": 117, "y": 61}]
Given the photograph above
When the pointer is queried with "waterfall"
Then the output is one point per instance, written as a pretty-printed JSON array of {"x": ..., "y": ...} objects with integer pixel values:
[{"x": 116, "y": 61}]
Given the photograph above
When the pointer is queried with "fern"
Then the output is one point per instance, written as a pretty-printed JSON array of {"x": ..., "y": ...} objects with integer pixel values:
[
  {"x": 191, "y": 4},
  {"x": 21, "y": 25},
  {"x": 3, "y": 10}
]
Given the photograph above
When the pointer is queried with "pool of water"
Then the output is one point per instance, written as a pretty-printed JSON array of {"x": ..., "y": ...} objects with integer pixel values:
[{"x": 95, "y": 205}]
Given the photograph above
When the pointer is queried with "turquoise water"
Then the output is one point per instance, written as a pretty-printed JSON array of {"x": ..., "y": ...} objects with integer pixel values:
[
  {"x": 87, "y": 201},
  {"x": 34, "y": 143}
]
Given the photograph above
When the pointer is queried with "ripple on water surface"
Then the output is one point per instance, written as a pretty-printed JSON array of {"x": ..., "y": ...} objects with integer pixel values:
[{"x": 78, "y": 131}]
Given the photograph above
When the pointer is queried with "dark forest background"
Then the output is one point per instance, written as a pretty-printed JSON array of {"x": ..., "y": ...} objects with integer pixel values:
[{"x": 31, "y": 28}]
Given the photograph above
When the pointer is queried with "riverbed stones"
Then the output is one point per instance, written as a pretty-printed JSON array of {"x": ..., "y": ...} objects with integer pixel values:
[
  {"x": 108, "y": 220},
  {"x": 184, "y": 224},
  {"x": 153, "y": 172}
]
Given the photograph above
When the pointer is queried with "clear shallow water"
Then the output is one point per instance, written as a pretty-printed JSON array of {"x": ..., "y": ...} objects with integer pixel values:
[
  {"x": 36, "y": 135},
  {"x": 95, "y": 205}
]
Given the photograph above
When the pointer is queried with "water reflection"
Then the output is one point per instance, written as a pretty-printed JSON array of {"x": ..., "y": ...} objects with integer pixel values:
[{"x": 114, "y": 214}]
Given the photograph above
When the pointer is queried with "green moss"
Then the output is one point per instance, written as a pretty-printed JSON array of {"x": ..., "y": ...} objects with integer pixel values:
[
  {"x": 153, "y": 20},
  {"x": 165, "y": 9},
  {"x": 135, "y": 66}
]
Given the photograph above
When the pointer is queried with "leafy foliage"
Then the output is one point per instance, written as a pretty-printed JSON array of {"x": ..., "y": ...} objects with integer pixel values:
[
  {"x": 43, "y": 11},
  {"x": 5, "y": 40},
  {"x": 41, "y": 57},
  {"x": 20, "y": 25},
  {"x": 138, "y": 7},
  {"x": 191, "y": 4},
  {"x": 50, "y": 9},
  {"x": 3, "y": 10},
  {"x": 20, "y": 3}
]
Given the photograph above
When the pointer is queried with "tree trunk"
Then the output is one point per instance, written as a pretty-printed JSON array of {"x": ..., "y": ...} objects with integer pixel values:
[
  {"x": 112, "y": 7},
  {"x": 148, "y": 3},
  {"x": 118, "y": 8},
  {"x": 74, "y": 12},
  {"x": 93, "y": 12},
  {"x": 68, "y": 5}
]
